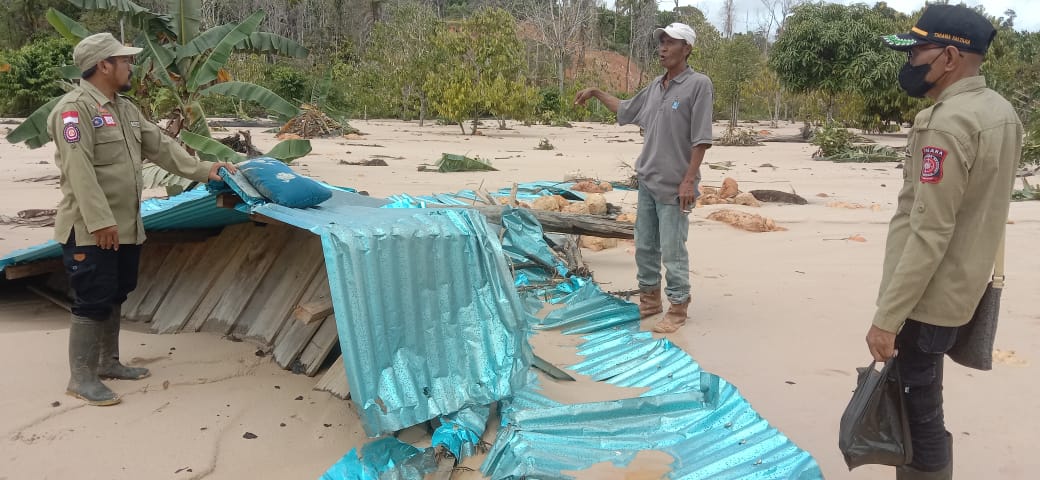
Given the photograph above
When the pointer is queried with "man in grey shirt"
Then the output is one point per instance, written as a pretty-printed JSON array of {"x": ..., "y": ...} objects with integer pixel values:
[{"x": 675, "y": 111}]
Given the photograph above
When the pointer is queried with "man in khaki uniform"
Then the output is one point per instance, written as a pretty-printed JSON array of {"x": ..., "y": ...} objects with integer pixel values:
[
  {"x": 101, "y": 138},
  {"x": 950, "y": 217}
]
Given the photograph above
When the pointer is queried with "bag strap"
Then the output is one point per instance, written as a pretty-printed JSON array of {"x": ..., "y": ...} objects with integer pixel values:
[{"x": 998, "y": 269}]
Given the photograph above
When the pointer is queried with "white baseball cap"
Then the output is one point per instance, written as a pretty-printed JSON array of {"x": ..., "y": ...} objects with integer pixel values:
[{"x": 679, "y": 31}]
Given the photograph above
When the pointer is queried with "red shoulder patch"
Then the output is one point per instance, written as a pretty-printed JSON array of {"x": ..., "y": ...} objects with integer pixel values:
[{"x": 932, "y": 164}]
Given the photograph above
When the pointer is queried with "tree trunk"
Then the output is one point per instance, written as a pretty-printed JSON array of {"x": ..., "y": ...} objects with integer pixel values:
[
  {"x": 560, "y": 57},
  {"x": 422, "y": 108},
  {"x": 462, "y": 125},
  {"x": 560, "y": 222}
]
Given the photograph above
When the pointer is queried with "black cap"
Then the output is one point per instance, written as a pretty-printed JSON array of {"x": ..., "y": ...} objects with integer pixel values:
[{"x": 955, "y": 25}]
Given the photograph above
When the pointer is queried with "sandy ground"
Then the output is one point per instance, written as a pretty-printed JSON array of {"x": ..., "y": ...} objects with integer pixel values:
[{"x": 780, "y": 315}]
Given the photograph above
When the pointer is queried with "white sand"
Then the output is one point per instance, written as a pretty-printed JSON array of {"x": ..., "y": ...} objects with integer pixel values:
[{"x": 781, "y": 315}]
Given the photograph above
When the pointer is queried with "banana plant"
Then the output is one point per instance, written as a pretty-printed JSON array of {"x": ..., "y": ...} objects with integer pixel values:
[{"x": 178, "y": 56}]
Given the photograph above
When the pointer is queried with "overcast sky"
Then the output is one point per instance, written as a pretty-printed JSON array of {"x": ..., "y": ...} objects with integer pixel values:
[{"x": 752, "y": 13}]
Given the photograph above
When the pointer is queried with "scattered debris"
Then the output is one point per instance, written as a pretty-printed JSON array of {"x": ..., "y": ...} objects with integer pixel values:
[
  {"x": 375, "y": 162},
  {"x": 746, "y": 199},
  {"x": 727, "y": 165},
  {"x": 597, "y": 203},
  {"x": 31, "y": 218},
  {"x": 591, "y": 186},
  {"x": 312, "y": 122},
  {"x": 738, "y": 137},
  {"x": 729, "y": 188},
  {"x": 451, "y": 162},
  {"x": 55, "y": 404},
  {"x": 1028, "y": 192},
  {"x": 627, "y": 217},
  {"x": 249, "y": 436},
  {"x": 242, "y": 142},
  {"x": 746, "y": 221},
  {"x": 45, "y": 178},
  {"x": 776, "y": 196},
  {"x": 598, "y": 243},
  {"x": 545, "y": 145}
]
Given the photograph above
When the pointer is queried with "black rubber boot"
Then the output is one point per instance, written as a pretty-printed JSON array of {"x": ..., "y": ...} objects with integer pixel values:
[
  {"x": 84, "y": 348},
  {"x": 110, "y": 366}
]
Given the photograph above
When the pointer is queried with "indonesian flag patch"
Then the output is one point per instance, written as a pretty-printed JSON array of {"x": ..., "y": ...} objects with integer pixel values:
[
  {"x": 69, "y": 117},
  {"x": 932, "y": 164}
]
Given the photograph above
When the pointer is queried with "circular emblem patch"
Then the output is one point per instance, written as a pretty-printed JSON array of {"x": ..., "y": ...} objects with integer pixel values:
[
  {"x": 71, "y": 133},
  {"x": 97, "y": 122},
  {"x": 930, "y": 167}
]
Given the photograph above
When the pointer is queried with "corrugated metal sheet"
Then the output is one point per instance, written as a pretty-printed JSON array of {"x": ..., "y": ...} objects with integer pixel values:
[
  {"x": 711, "y": 433},
  {"x": 428, "y": 319},
  {"x": 192, "y": 209}
]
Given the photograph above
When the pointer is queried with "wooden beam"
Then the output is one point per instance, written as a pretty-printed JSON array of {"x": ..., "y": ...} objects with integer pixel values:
[
  {"x": 228, "y": 200},
  {"x": 311, "y": 311},
  {"x": 560, "y": 222},
  {"x": 33, "y": 269},
  {"x": 54, "y": 297}
]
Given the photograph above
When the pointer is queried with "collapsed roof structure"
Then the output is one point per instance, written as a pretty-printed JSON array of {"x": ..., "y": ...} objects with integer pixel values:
[{"x": 433, "y": 310}]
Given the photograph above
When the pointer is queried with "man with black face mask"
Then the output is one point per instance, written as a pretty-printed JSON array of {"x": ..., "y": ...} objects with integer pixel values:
[{"x": 950, "y": 217}]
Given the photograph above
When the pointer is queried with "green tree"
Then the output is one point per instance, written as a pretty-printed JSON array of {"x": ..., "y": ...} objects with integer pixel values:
[
  {"x": 181, "y": 59},
  {"x": 401, "y": 49},
  {"x": 832, "y": 49},
  {"x": 29, "y": 76},
  {"x": 734, "y": 77},
  {"x": 470, "y": 56}
]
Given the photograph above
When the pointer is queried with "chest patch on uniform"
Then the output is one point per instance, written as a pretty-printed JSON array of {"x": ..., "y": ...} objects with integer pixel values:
[
  {"x": 135, "y": 124},
  {"x": 69, "y": 117},
  {"x": 97, "y": 122},
  {"x": 109, "y": 120},
  {"x": 71, "y": 132},
  {"x": 932, "y": 164}
]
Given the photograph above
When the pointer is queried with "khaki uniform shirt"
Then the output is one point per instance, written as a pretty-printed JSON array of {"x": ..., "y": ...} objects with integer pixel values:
[
  {"x": 100, "y": 144},
  {"x": 676, "y": 119},
  {"x": 952, "y": 209}
]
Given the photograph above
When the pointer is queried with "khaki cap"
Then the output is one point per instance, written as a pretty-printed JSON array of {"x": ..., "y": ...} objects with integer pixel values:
[{"x": 97, "y": 47}]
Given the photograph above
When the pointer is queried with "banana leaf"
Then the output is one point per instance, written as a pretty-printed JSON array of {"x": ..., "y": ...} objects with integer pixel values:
[
  {"x": 255, "y": 93},
  {"x": 207, "y": 71},
  {"x": 320, "y": 93},
  {"x": 187, "y": 18},
  {"x": 140, "y": 17},
  {"x": 289, "y": 150},
  {"x": 160, "y": 59},
  {"x": 33, "y": 131},
  {"x": 67, "y": 27},
  {"x": 205, "y": 41},
  {"x": 210, "y": 149},
  {"x": 265, "y": 42},
  {"x": 450, "y": 162},
  {"x": 155, "y": 177}
]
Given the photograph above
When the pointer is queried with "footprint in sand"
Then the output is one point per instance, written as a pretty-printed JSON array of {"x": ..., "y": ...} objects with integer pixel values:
[{"x": 1008, "y": 357}]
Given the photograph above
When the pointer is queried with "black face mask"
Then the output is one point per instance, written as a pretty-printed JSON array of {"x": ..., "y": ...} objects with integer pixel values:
[{"x": 912, "y": 79}]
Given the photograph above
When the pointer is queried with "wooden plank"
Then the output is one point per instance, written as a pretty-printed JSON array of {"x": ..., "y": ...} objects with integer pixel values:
[
  {"x": 228, "y": 200},
  {"x": 311, "y": 311},
  {"x": 197, "y": 279},
  {"x": 319, "y": 347},
  {"x": 282, "y": 288},
  {"x": 188, "y": 235},
  {"x": 179, "y": 258},
  {"x": 32, "y": 269},
  {"x": 252, "y": 265},
  {"x": 334, "y": 381},
  {"x": 152, "y": 256},
  {"x": 295, "y": 336},
  {"x": 55, "y": 297}
]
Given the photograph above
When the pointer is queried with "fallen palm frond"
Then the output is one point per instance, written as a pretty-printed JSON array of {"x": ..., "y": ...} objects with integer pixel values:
[
  {"x": 1028, "y": 192},
  {"x": 451, "y": 162},
  {"x": 31, "y": 218},
  {"x": 866, "y": 154},
  {"x": 736, "y": 137}
]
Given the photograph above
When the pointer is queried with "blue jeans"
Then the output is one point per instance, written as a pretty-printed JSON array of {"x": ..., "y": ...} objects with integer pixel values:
[{"x": 661, "y": 232}]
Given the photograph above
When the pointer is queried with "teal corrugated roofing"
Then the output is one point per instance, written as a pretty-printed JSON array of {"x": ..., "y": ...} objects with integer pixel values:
[{"x": 192, "y": 209}]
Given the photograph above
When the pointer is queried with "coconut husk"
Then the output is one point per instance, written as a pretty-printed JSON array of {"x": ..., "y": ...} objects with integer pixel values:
[
  {"x": 597, "y": 203},
  {"x": 729, "y": 188},
  {"x": 596, "y": 243},
  {"x": 746, "y": 199}
]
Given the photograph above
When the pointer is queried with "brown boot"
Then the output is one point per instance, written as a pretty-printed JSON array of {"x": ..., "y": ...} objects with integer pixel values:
[
  {"x": 674, "y": 319},
  {"x": 650, "y": 302}
]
